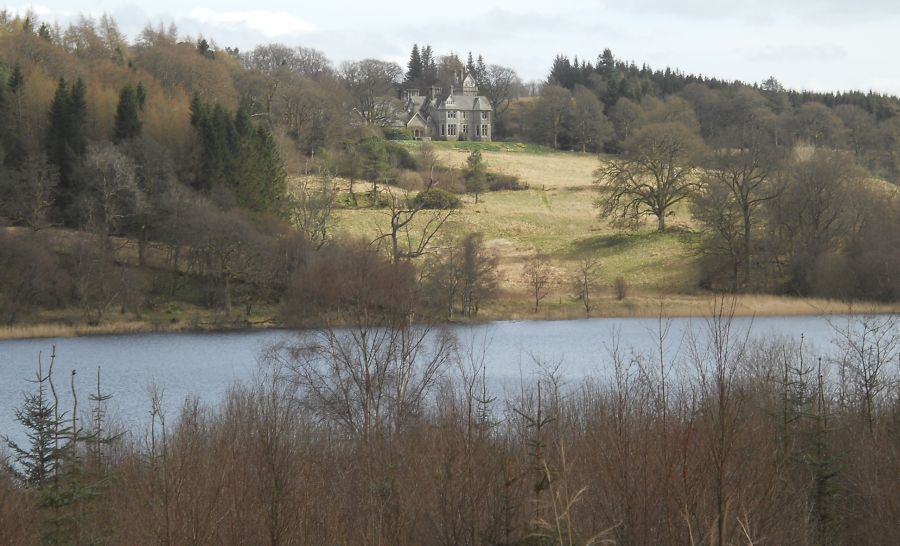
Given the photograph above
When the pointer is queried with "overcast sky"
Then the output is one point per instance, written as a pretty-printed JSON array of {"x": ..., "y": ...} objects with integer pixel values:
[{"x": 808, "y": 44}]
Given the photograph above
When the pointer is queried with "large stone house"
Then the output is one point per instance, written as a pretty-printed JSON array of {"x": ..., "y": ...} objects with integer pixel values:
[{"x": 459, "y": 114}]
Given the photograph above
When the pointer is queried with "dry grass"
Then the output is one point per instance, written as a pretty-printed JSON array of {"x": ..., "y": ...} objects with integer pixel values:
[
  {"x": 557, "y": 217},
  {"x": 552, "y": 170}
]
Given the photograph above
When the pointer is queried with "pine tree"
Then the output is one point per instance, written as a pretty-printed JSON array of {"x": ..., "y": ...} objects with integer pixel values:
[
  {"x": 272, "y": 182},
  {"x": 476, "y": 175},
  {"x": 470, "y": 65},
  {"x": 39, "y": 460},
  {"x": 414, "y": 69},
  {"x": 127, "y": 122},
  {"x": 429, "y": 67}
]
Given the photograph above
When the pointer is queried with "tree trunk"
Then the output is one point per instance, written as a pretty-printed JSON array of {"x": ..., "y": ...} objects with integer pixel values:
[
  {"x": 661, "y": 222},
  {"x": 747, "y": 254}
]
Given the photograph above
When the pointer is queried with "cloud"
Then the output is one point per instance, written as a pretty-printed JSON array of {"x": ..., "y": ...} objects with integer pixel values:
[
  {"x": 799, "y": 53},
  {"x": 265, "y": 22}
]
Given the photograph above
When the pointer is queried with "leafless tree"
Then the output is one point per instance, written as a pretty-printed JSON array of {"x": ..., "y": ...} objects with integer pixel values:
[
  {"x": 746, "y": 165},
  {"x": 27, "y": 193},
  {"x": 114, "y": 196},
  {"x": 411, "y": 227},
  {"x": 372, "y": 83},
  {"x": 656, "y": 171},
  {"x": 538, "y": 275},
  {"x": 585, "y": 282},
  {"x": 501, "y": 86},
  {"x": 311, "y": 209}
]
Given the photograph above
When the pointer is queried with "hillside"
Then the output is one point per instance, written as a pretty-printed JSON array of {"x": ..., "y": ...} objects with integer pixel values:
[{"x": 556, "y": 216}]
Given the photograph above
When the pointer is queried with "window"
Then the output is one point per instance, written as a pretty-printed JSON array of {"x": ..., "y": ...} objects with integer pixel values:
[
  {"x": 465, "y": 129},
  {"x": 443, "y": 129},
  {"x": 465, "y": 115},
  {"x": 484, "y": 115},
  {"x": 451, "y": 129},
  {"x": 484, "y": 130},
  {"x": 451, "y": 114}
]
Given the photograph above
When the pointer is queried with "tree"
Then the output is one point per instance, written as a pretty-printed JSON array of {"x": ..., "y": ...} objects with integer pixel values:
[
  {"x": 372, "y": 84},
  {"x": 500, "y": 84},
  {"x": 127, "y": 123},
  {"x": 476, "y": 174},
  {"x": 66, "y": 141},
  {"x": 408, "y": 237},
  {"x": 27, "y": 193},
  {"x": 478, "y": 274},
  {"x": 655, "y": 172},
  {"x": 585, "y": 282},
  {"x": 817, "y": 125},
  {"x": 552, "y": 115},
  {"x": 311, "y": 209},
  {"x": 12, "y": 115},
  {"x": 746, "y": 165},
  {"x": 414, "y": 68},
  {"x": 112, "y": 196},
  {"x": 814, "y": 215},
  {"x": 625, "y": 116},
  {"x": 538, "y": 275},
  {"x": 591, "y": 128},
  {"x": 374, "y": 163}
]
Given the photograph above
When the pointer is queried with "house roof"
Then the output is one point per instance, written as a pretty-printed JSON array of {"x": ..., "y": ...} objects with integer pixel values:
[
  {"x": 412, "y": 121},
  {"x": 465, "y": 102}
]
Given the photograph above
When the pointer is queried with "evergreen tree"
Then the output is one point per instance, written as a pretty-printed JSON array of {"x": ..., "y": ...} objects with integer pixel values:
[
  {"x": 429, "y": 67},
  {"x": 39, "y": 460},
  {"x": 127, "y": 122},
  {"x": 66, "y": 142},
  {"x": 270, "y": 185},
  {"x": 470, "y": 65},
  {"x": 414, "y": 69},
  {"x": 476, "y": 174}
]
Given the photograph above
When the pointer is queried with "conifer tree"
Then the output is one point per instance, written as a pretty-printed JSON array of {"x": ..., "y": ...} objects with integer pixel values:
[
  {"x": 414, "y": 69},
  {"x": 429, "y": 67},
  {"x": 128, "y": 122},
  {"x": 66, "y": 142}
]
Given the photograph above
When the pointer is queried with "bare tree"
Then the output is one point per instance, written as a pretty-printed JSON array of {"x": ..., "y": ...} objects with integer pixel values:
[
  {"x": 408, "y": 236},
  {"x": 585, "y": 282},
  {"x": 372, "y": 83},
  {"x": 311, "y": 209},
  {"x": 538, "y": 275},
  {"x": 500, "y": 85},
  {"x": 113, "y": 197},
  {"x": 656, "y": 171},
  {"x": 26, "y": 194},
  {"x": 746, "y": 165}
]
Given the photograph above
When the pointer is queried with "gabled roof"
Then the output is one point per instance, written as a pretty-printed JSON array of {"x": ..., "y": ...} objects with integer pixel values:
[
  {"x": 465, "y": 102},
  {"x": 413, "y": 118}
]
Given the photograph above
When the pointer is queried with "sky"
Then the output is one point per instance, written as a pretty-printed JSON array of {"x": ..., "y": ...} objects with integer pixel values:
[{"x": 821, "y": 45}]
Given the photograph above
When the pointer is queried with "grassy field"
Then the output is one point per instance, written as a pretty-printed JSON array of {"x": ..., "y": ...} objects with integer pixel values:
[{"x": 557, "y": 217}]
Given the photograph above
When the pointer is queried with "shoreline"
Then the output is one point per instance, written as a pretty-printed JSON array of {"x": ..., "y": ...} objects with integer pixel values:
[{"x": 645, "y": 306}]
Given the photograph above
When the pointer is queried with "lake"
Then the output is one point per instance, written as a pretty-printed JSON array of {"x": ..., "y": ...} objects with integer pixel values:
[{"x": 207, "y": 364}]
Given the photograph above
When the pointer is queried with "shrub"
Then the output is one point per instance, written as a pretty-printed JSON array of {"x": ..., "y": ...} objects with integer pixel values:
[
  {"x": 409, "y": 180},
  {"x": 500, "y": 182},
  {"x": 397, "y": 133},
  {"x": 621, "y": 288},
  {"x": 436, "y": 198},
  {"x": 399, "y": 155}
]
